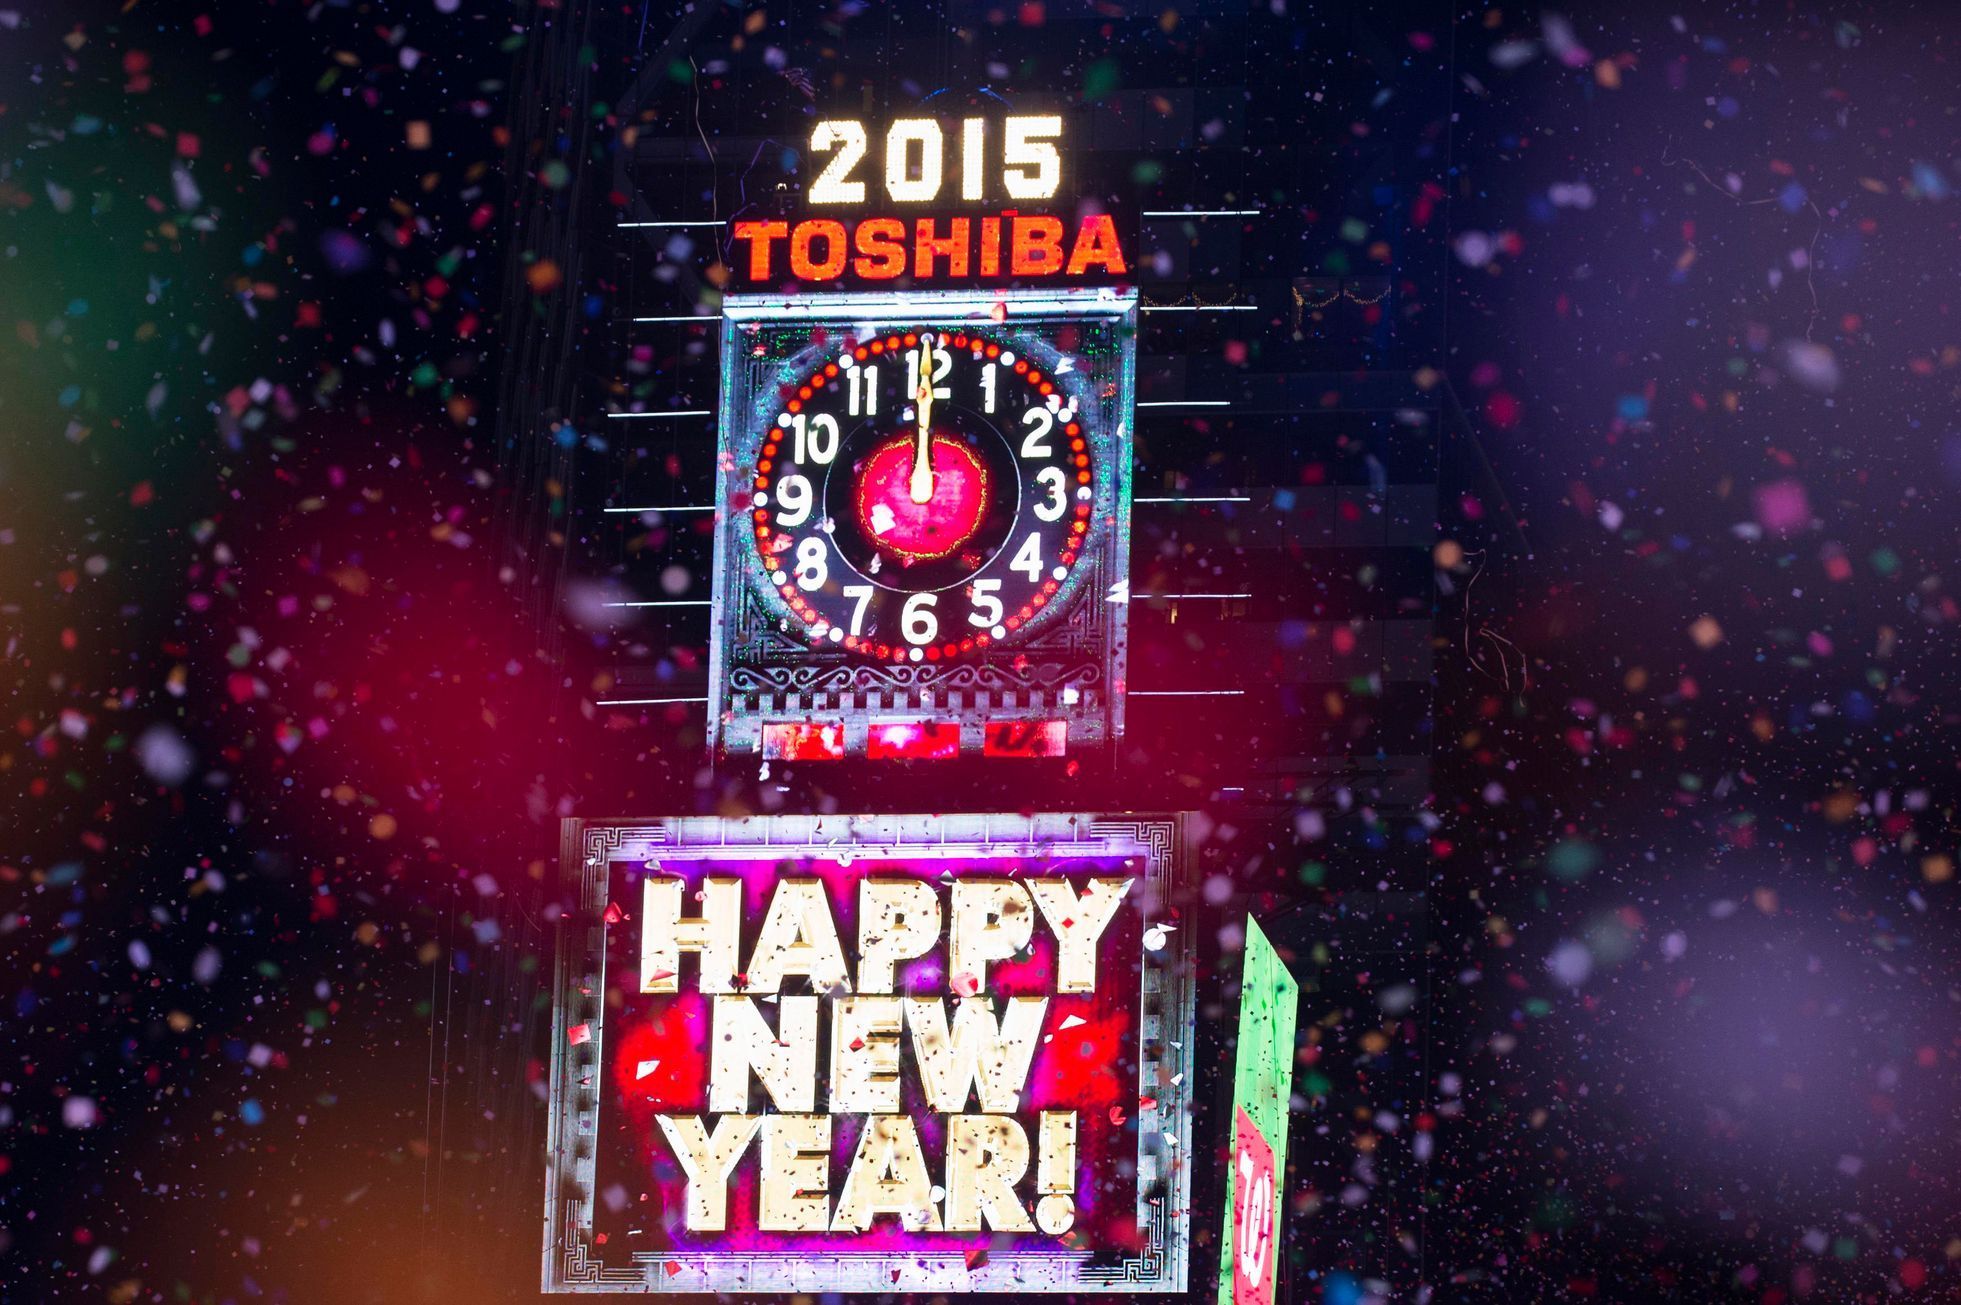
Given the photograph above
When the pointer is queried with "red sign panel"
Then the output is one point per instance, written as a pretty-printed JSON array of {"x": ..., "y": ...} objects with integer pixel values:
[{"x": 1253, "y": 1197}]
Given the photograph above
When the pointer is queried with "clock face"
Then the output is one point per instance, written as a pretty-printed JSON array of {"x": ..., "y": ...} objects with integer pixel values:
[{"x": 922, "y": 495}]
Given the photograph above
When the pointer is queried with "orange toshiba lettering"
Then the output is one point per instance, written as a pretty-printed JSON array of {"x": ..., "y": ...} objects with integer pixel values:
[
  {"x": 802, "y": 266},
  {"x": 927, "y": 247},
  {"x": 1035, "y": 246},
  {"x": 1096, "y": 246},
  {"x": 760, "y": 235},
  {"x": 881, "y": 249}
]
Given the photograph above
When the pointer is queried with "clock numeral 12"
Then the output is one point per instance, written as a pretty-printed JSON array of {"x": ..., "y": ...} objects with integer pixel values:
[
  {"x": 987, "y": 386},
  {"x": 942, "y": 364}
]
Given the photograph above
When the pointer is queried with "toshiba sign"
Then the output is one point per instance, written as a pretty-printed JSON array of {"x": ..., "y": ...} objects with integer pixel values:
[{"x": 1007, "y": 165}]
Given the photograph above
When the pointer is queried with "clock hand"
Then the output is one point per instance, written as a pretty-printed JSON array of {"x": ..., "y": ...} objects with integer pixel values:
[{"x": 921, "y": 487}]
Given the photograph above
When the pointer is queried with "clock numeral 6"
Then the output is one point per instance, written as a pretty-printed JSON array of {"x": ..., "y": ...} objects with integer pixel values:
[
  {"x": 812, "y": 569},
  {"x": 916, "y": 619},
  {"x": 816, "y": 438},
  {"x": 987, "y": 608},
  {"x": 1035, "y": 443},
  {"x": 793, "y": 500}
]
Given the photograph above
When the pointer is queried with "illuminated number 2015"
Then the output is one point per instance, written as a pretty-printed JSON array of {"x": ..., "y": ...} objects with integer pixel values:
[{"x": 915, "y": 159}]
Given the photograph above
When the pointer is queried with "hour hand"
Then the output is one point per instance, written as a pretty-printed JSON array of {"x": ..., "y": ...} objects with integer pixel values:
[{"x": 921, "y": 486}]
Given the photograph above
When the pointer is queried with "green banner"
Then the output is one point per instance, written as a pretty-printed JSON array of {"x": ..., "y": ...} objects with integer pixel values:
[{"x": 1263, "y": 1083}]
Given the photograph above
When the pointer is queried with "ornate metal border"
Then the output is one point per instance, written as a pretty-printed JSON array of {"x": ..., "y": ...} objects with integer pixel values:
[
  {"x": 1071, "y": 668},
  {"x": 587, "y": 851}
]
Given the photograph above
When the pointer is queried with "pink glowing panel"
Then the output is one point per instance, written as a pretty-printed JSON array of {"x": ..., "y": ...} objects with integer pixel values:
[
  {"x": 913, "y": 740},
  {"x": 1035, "y": 738},
  {"x": 947, "y": 519},
  {"x": 802, "y": 741}
]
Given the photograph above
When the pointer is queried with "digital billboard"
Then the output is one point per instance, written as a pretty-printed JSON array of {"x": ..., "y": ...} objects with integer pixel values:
[{"x": 892, "y": 1053}]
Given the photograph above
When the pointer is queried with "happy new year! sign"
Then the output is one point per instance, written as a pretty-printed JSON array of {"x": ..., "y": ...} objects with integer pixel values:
[{"x": 871, "y": 1054}]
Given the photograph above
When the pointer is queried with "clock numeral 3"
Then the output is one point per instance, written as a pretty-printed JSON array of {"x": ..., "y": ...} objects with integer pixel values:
[{"x": 1052, "y": 480}]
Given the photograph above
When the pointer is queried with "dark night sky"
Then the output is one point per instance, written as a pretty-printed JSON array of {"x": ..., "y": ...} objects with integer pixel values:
[{"x": 284, "y": 759}]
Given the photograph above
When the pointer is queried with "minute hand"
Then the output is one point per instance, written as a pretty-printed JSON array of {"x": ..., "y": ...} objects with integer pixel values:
[{"x": 921, "y": 487}]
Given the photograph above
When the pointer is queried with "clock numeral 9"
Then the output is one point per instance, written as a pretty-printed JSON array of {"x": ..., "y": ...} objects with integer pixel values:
[
  {"x": 793, "y": 501},
  {"x": 916, "y": 619},
  {"x": 812, "y": 569},
  {"x": 1035, "y": 443},
  {"x": 816, "y": 438},
  {"x": 1053, "y": 480},
  {"x": 987, "y": 608}
]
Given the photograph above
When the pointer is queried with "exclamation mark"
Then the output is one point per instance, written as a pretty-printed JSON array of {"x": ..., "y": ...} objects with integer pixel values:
[{"x": 1055, "y": 1172}]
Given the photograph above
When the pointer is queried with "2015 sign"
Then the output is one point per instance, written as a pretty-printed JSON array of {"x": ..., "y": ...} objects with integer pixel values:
[{"x": 915, "y": 158}]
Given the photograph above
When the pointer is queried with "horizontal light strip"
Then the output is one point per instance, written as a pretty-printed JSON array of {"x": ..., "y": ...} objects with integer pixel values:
[
  {"x": 1203, "y": 212},
  {"x": 635, "y": 416},
  {"x": 1188, "y": 693},
  {"x": 670, "y": 507},
  {"x": 673, "y": 602},
  {"x": 1223, "y": 498},
  {"x": 703, "y": 222},
  {"x": 690, "y": 317},
  {"x": 644, "y": 702},
  {"x": 1178, "y": 596},
  {"x": 933, "y": 306},
  {"x": 1184, "y": 403},
  {"x": 1197, "y": 308}
]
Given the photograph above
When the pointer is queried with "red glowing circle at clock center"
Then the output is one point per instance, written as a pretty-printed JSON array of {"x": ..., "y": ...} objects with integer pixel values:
[{"x": 921, "y": 531}]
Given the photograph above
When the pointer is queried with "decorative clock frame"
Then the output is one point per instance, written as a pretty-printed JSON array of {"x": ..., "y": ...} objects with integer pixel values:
[{"x": 1057, "y": 685}]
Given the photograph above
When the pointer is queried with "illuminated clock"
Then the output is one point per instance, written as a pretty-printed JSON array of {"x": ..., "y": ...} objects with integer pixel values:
[
  {"x": 925, "y": 495},
  {"x": 925, "y": 514}
]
